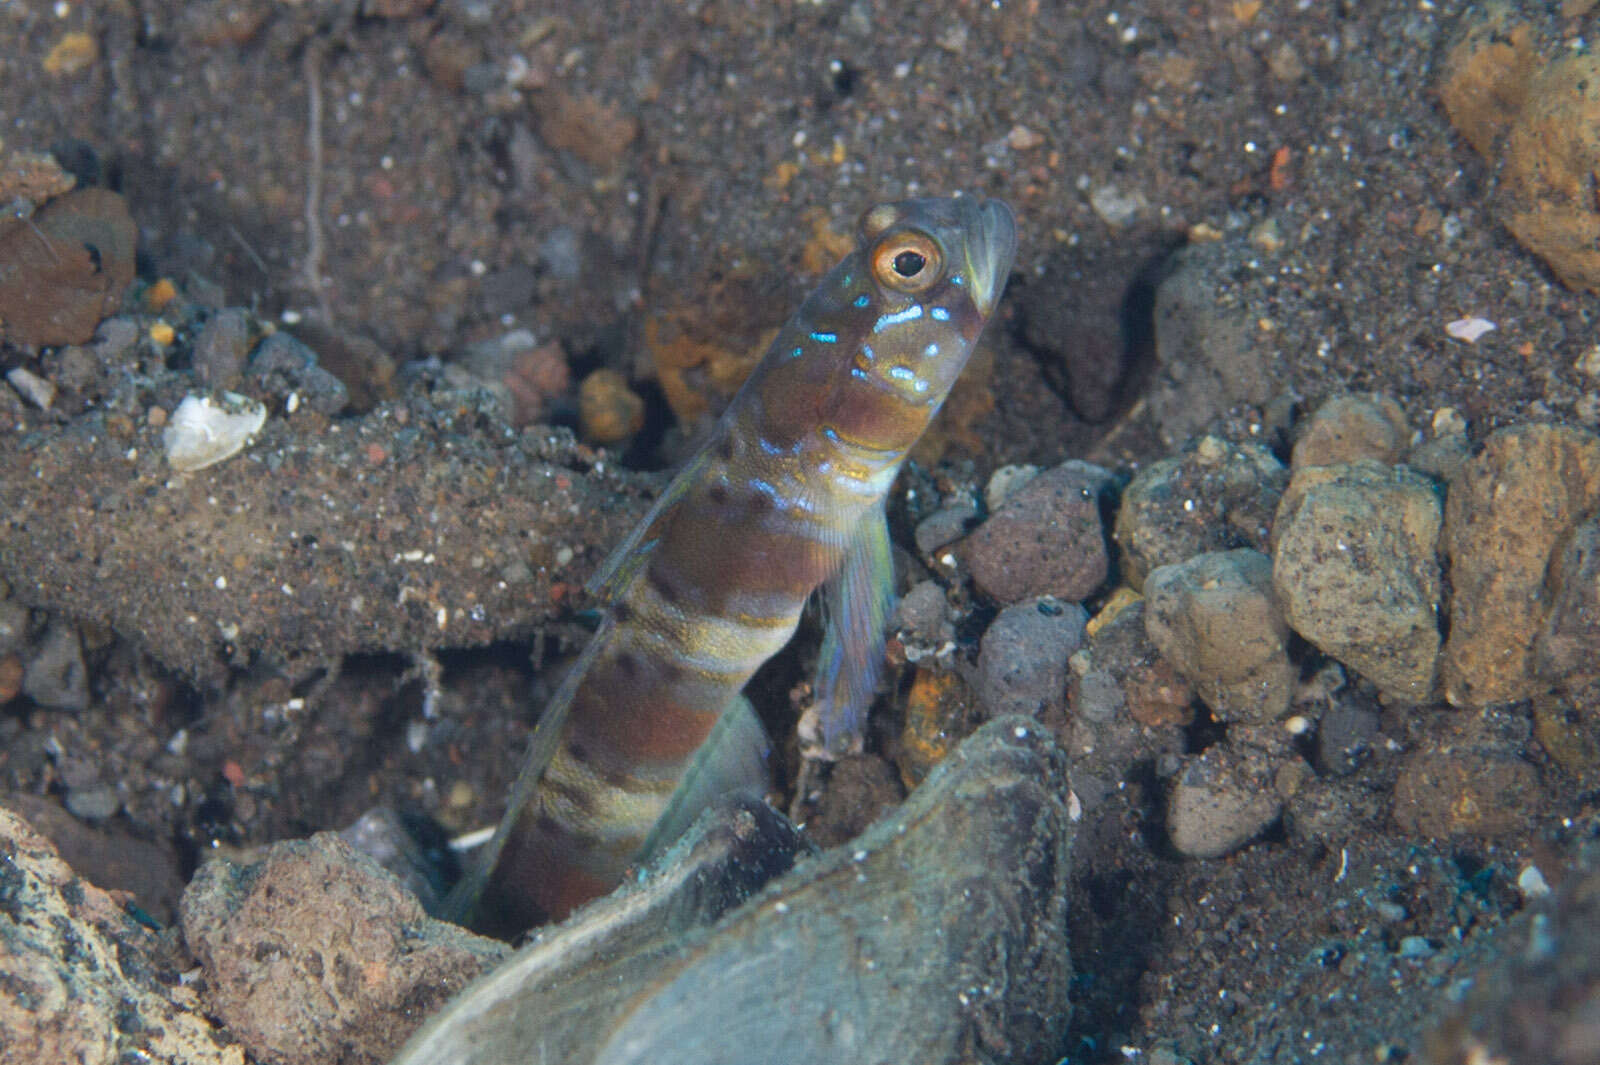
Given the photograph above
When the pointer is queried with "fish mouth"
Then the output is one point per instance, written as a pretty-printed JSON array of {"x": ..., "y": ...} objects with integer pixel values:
[{"x": 991, "y": 247}]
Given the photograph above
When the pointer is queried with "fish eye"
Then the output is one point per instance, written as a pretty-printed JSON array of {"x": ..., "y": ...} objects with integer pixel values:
[{"x": 907, "y": 262}]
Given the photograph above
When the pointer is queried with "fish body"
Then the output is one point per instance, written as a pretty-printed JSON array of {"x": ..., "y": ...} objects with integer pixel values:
[{"x": 785, "y": 497}]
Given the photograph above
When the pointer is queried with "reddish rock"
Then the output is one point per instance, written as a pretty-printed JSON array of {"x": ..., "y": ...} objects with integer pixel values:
[
  {"x": 1046, "y": 539},
  {"x": 67, "y": 268}
]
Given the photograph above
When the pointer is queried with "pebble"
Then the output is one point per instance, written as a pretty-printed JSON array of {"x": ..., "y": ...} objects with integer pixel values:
[
  {"x": 55, "y": 292},
  {"x": 1356, "y": 566},
  {"x": 940, "y": 711},
  {"x": 283, "y": 366},
  {"x": 1344, "y": 733},
  {"x": 1046, "y": 539},
  {"x": 1215, "y": 617},
  {"x": 1220, "y": 801},
  {"x": 1352, "y": 427},
  {"x": 1508, "y": 512},
  {"x": 1022, "y": 661},
  {"x": 1215, "y": 496},
  {"x": 922, "y": 620},
  {"x": 54, "y": 675},
  {"x": 609, "y": 412},
  {"x": 31, "y": 387},
  {"x": 1156, "y": 694},
  {"x": 944, "y": 526}
]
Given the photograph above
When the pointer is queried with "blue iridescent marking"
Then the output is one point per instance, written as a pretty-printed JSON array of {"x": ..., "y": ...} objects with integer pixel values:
[
  {"x": 773, "y": 449},
  {"x": 862, "y": 300},
  {"x": 930, "y": 351},
  {"x": 830, "y": 433},
  {"x": 858, "y": 372},
  {"x": 910, "y": 314},
  {"x": 901, "y": 373},
  {"x": 797, "y": 352},
  {"x": 921, "y": 385},
  {"x": 957, "y": 279},
  {"x": 940, "y": 314},
  {"x": 825, "y": 338},
  {"x": 867, "y": 352}
]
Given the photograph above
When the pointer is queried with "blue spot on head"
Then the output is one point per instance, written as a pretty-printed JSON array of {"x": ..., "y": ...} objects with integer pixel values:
[
  {"x": 797, "y": 352},
  {"x": 930, "y": 351},
  {"x": 940, "y": 314},
  {"x": 901, "y": 373},
  {"x": 867, "y": 352},
  {"x": 862, "y": 300},
  {"x": 858, "y": 372},
  {"x": 825, "y": 338},
  {"x": 957, "y": 279},
  {"x": 831, "y": 433}
]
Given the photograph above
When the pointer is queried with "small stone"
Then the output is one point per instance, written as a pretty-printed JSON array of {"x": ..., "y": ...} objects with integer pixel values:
[
  {"x": 1509, "y": 510},
  {"x": 96, "y": 802},
  {"x": 1356, "y": 567},
  {"x": 1157, "y": 695},
  {"x": 1216, "y": 496},
  {"x": 54, "y": 675},
  {"x": 1221, "y": 801},
  {"x": 922, "y": 620},
  {"x": 221, "y": 347},
  {"x": 1047, "y": 539},
  {"x": 609, "y": 412},
  {"x": 1348, "y": 428},
  {"x": 1344, "y": 734},
  {"x": 1022, "y": 662},
  {"x": 31, "y": 387},
  {"x": 1005, "y": 481},
  {"x": 68, "y": 268},
  {"x": 1216, "y": 618},
  {"x": 940, "y": 712},
  {"x": 1461, "y": 792}
]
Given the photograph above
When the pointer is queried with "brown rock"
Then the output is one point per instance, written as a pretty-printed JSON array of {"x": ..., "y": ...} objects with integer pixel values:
[
  {"x": 1461, "y": 792},
  {"x": 1356, "y": 566},
  {"x": 1349, "y": 428},
  {"x": 1508, "y": 512},
  {"x": 79, "y": 981},
  {"x": 940, "y": 711},
  {"x": 315, "y": 954},
  {"x": 1571, "y": 634},
  {"x": 68, "y": 266},
  {"x": 1221, "y": 801},
  {"x": 1552, "y": 153},
  {"x": 609, "y": 412},
  {"x": 1486, "y": 75},
  {"x": 1046, "y": 539},
  {"x": 591, "y": 129},
  {"x": 1215, "y": 617}
]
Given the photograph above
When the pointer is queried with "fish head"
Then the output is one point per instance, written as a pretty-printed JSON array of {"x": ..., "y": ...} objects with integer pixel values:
[{"x": 908, "y": 307}]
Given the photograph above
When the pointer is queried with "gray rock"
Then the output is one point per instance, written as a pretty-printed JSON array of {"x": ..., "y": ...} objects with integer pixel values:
[
  {"x": 944, "y": 526},
  {"x": 13, "y": 626},
  {"x": 1356, "y": 566},
  {"x": 1351, "y": 428},
  {"x": 1220, "y": 801},
  {"x": 1215, "y": 617},
  {"x": 221, "y": 348},
  {"x": 1022, "y": 662},
  {"x": 1216, "y": 496},
  {"x": 1046, "y": 539},
  {"x": 1210, "y": 357},
  {"x": 282, "y": 366},
  {"x": 54, "y": 674},
  {"x": 972, "y": 966},
  {"x": 96, "y": 802}
]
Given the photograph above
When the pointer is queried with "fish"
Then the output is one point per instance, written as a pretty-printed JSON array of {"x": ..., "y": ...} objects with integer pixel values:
[{"x": 784, "y": 499}]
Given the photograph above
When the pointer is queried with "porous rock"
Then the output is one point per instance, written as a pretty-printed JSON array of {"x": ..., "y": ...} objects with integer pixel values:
[
  {"x": 1046, "y": 539},
  {"x": 1460, "y": 791},
  {"x": 1216, "y": 618},
  {"x": 1355, "y": 552},
  {"x": 1508, "y": 512},
  {"x": 1571, "y": 634},
  {"x": 1215, "y": 496},
  {"x": 316, "y": 954},
  {"x": 80, "y": 981}
]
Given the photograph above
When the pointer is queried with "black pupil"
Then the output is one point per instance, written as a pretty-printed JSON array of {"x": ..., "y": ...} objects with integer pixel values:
[{"x": 909, "y": 264}]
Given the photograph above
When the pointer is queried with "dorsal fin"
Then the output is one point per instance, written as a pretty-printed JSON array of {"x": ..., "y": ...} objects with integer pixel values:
[{"x": 619, "y": 568}]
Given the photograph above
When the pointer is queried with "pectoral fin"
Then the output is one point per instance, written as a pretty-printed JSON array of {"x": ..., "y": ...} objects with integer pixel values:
[{"x": 855, "y": 606}]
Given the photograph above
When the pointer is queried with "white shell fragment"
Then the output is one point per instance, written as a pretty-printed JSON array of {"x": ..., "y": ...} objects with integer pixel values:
[
  {"x": 203, "y": 431},
  {"x": 1468, "y": 329}
]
